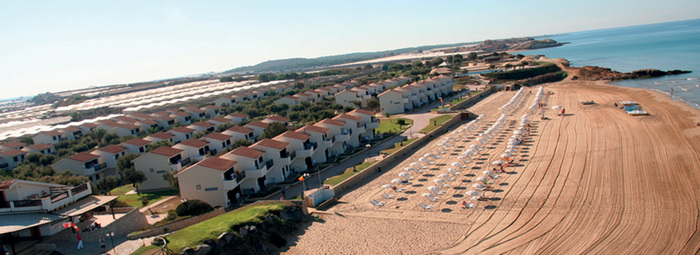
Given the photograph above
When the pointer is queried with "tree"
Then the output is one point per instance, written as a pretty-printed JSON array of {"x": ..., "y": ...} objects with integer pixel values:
[
  {"x": 226, "y": 79},
  {"x": 471, "y": 56},
  {"x": 223, "y": 127},
  {"x": 373, "y": 103},
  {"x": 401, "y": 122},
  {"x": 107, "y": 184},
  {"x": 273, "y": 129},
  {"x": 193, "y": 207},
  {"x": 128, "y": 172},
  {"x": 157, "y": 144},
  {"x": 508, "y": 66},
  {"x": 171, "y": 179}
]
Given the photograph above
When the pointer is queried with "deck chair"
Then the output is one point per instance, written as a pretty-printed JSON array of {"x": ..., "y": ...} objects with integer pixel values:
[
  {"x": 387, "y": 196},
  {"x": 425, "y": 206},
  {"x": 375, "y": 202}
]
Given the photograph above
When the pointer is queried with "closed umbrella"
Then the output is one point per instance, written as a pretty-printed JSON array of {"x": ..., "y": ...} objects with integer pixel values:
[
  {"x": 482, "y": 179},
  {"x": 479, "y": 186},
  {"x": 472, "y": 193}
]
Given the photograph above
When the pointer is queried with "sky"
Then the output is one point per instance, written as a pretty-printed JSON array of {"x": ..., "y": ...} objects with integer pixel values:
[{"x": 61, "y": 45}]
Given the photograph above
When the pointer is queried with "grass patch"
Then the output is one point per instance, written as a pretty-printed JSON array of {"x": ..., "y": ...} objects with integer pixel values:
[
  {"x": 435, "y": 123},
  {"x": 146, "y": 250},
  {"x": 398, "y": 146},
  {"x": 391, "y": 126},
  {"x": 348, "y": 172},
  {"x": 195, "y": 235},
  {"x": 134, "y": 200}
]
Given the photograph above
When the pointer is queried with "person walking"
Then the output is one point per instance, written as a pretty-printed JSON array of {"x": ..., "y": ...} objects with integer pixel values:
[
  {"x": 80, "y": 242},
  {"x": 103, "y": 246}
]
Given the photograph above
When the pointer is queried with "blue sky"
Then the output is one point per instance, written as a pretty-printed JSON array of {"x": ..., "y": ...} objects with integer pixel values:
[{"x": 60, "y": 45}]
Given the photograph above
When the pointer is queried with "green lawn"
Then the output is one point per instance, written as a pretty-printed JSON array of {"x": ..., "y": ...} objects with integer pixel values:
[
  {"x": 195, "y": 235},
  {"x": 146, "y": 250},
  {"x": 436, "y": 122},
  {"x": 391, "y": 125},
  {"x": 398, "y": 146},
  {"x": 134, "y": 200},
  {"x": 348, "y": 172}
]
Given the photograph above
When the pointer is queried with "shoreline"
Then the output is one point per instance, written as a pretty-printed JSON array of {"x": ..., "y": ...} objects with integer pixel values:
[{"x": 592, "y": 181}]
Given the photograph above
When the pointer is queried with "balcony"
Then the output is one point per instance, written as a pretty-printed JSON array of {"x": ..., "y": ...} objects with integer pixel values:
[
  {"x": 307, "y": 151},
  {"x": 230, "y": 184},
  {"x": 342, "y": 138},
  {"x": 269, "y": 164},
  {"x": 327, "y": 143},
  {"x": 373, "y": 125},
  {"x": 180, "y": 164},
  {"x": 292, "y": 155},
  {"x": 47, "y": 203},
  {"x": 361, "y": 129}
]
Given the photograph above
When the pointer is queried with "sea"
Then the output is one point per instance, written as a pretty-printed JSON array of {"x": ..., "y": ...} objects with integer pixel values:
[{"x": 664, "y": 46}]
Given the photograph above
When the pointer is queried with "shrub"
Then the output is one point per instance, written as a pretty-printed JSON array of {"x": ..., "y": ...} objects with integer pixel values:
[{"x": 193, "y": 208}]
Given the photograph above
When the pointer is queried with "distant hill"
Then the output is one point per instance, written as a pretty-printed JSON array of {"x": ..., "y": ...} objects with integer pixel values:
[{"x": 297, "y": 64}]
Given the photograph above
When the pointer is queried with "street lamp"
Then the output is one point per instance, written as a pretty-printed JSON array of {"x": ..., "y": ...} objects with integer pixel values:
[
  {"x": 303, "y": 181},
  {"x": 111, "y": 238}
]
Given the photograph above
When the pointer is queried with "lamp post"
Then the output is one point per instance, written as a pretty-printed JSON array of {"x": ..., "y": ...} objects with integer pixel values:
[
  {"x": 111, "y": 238},
  {"x": 303, "y": 181}
]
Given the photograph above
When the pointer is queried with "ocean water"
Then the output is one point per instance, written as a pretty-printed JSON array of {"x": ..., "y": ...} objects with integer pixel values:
[{"x": 664, "y": 46}]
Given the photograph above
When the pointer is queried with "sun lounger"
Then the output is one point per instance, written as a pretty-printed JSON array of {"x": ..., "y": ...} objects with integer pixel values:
[
  {"x": 387, "y": 196},
  {"x": 400, "y": 190},
  {"x": 425, "y": 206},
  {"x": 375, "y": 202}
]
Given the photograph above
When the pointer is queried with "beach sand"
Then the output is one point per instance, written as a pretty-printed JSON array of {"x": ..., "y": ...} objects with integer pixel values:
[{"x": 594, "y": 181}]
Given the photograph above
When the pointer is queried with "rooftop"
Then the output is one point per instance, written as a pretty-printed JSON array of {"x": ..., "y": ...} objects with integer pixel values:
[
  {"x": 313, "y": 128},
  {"x": 14, "y": 144},
  {"x": 137, "y": 141},
  {"x": 112, "y": 149},
  {"x": 218, "y": 136},
  {"x": 166, "y": 151},
  {"x": 183, "y": 130},
  {"x": 272, "y": 143},
  {"x": 333, "y": 122},
  {"x": 257, "y": 124},
  {"x": 217, "y": 163},
  {"x": 193, "y": 143},
  {"x": 295, "y": 135},
  {"x": 278, "y": 118},
  {"x": 12, "y": 152},
  {"x": 239, "y": 115},
  {"x": 161, "y": 135},
  {"x": 247, "y": 152},
  {"x": 240, "y": 129},
  {"x": 83, "y": 157},
  {"x": 40, "y": 146}
]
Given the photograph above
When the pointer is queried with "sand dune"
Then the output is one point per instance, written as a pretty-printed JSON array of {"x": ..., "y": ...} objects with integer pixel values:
[{"x": 594, "y": 181}]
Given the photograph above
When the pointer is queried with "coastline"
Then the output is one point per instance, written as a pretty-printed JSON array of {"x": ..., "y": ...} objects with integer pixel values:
[{"x": 591, "y": 182}]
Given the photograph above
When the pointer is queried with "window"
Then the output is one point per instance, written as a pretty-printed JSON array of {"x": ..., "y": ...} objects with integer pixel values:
[
  {"x": 211, "y": 189},
  {"x": 142, "y": 150},
  {"x": 160, "y": 172},
  {"x": 116, "y": 156},
  {"x": 199, "y": 187}
]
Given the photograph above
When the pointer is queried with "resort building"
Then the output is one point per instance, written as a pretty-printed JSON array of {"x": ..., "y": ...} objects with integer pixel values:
[
  {"x": 48, "y": 137},
  {"x": 214, "y": 180},
  {"x": 181, "y": 133},
  {"x": 255, "y": 166},
  {"x": 9, "y": 159},
  {"x": 240, "y": 133},
  {"x": 135, "y": 145},
  {"x": 40, "y": 148},
  {"x": 110, "y": 154},
  {"x": 154, "y": 164},
  {"x": 83, "y": 164}
]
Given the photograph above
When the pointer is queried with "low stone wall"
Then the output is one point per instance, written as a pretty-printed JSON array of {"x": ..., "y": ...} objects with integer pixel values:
[
  {"x": 176, "y": 225},
  {"x": 473, "y": 99},
  {"x": 376, "y": 169}
]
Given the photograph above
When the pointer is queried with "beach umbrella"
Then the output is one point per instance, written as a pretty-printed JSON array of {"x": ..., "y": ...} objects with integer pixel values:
[
  {"x": 397, "y": 181},
  {"x": 472, "y": 193},
  {"x": 510, "y": 151},
  {"x": 506, "y": 155},
  {"x": 457, "y": 164},
  {"x": 469, "y": 205},
  {"x": 387, "y": 186},
  {"x": 497, "y": 162},
  {"x": 405, "y": 175},
  {"x": 443, "y": 175},
  {"x": 517, "y": 132},
  {"x": 434, "y": 189},
  {"x": 512, "y": 146},
  {"x": 416, "y": 164},
  {"x": 429, "y": 196},
  {"x": 488, "y": 172},
  {"x": 479, "y": 186},
  {"x": 557, "y": 107},
  {"x": 482, "y": 179},
  {"x": 439, "y": 180}
]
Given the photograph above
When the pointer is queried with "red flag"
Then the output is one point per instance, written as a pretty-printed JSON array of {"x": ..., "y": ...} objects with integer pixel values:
[
  {"x": 442, "y": 102},
  {"x": 301, "y": 178}
]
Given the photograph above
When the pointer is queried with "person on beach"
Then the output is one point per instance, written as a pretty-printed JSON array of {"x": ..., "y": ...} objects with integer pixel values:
[
  {"x": 502, "y": 171},
  {"x": 103, "y": 246},
  {"x": 562, "y": 111}
]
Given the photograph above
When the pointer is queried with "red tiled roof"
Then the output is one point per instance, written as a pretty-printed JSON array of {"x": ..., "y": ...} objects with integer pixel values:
[
  {"x": 51, "y": 133},
  {"x": 139, "y": 115},
  {"x": 137, "y": 141},
  {"x": 218, "y": 136},
  {"x": 240, "y": 129},
  {"x": 14, "y": 144},
  {"x": 88, "y": 125},
  {"x": 182, "y": 130},
  {"x": 166, "y": 118},
  {"x": 148, "y": 122},
  {"x": 184, "y": 114},
  {"x": 213, "y": 107},
  {"x": 13, "y": 152},
  {"x": 333, "y": 122},
  {"x": 295, "y": 135},
  {"x": 112, "y": 149},
  {"x": 83, "y": 157},
  {"x": 217, "y": 163},
  {"x": 194, "y": 143},
  {"x": 347, "y": 116},
  {"x": 203, "y": 124},
  {"x": 72, "y": 129},
  {"x": 40, "y": 146},
  {"x": 161, "y": 135},
  {"x": 6, "y": 184},
  {"x": 166, "y": 151},
  {"x": 366, "y": 112},
  {"x": 272, "y": 143},
  {"x": 247, "y": 152},
  {"x": 278, "y": 118},
  {"x": 257, "y": 124},
  {"x": 125, "y": 119},
  {"x": 128, "y": 126},
  {"x": 313, "y": 128}
]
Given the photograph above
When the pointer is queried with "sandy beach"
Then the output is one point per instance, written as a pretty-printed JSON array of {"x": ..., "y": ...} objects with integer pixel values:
[{"x": 593, "y": 181}]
